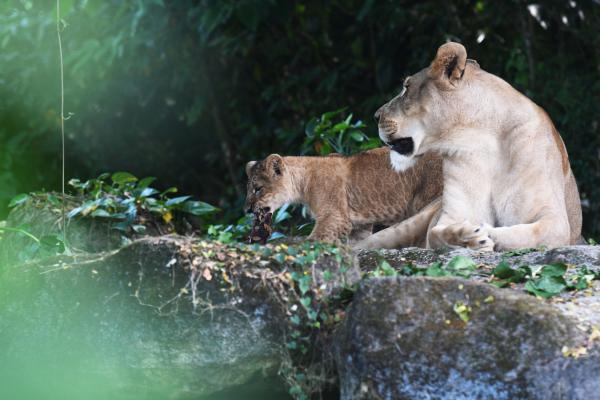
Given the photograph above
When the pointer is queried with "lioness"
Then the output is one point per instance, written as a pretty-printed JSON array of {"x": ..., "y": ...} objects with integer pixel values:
[
  {"x": 346, "y": 194},
  {"x": 507, "y": 179}
]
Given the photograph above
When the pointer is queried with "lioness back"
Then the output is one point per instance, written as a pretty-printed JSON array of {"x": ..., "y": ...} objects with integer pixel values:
[{"x": 344, "y": 193}]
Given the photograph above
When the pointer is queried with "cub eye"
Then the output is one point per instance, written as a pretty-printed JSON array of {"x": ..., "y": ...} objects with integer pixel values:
[{"x": 257, "y": 189}]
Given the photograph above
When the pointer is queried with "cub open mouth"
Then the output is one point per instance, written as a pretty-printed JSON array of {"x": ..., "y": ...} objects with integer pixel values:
[{"x": 403, "y": 146}]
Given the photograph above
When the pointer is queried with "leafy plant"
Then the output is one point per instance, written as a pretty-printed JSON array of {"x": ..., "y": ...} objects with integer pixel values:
[
  {"x": 286, "y": 222},
  {"x": 545, "y": 281},
  {"x": 49, "y": 244},
  {"x": 458, "y": 266},
  {"x": 325, "y": 136},
  {"x": 124, "y": 198}
]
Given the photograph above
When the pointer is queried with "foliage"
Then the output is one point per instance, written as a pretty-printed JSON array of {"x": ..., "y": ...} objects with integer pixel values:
[
  {"x": 125, "y": 199},
  {"x": 459, "y": 266},
  {"x": 45, "y": 245},
  {"x": 544, "y": 281},
  {"x": 324, "y": 136}
]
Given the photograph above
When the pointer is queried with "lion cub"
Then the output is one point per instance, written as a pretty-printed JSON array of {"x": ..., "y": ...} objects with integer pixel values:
[{"x": 346, "y": 195}]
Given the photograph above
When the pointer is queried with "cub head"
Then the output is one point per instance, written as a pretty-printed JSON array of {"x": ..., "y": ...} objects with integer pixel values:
[
  {"x": 425, "y": 107},
  {"x": 268, "y": 184}
]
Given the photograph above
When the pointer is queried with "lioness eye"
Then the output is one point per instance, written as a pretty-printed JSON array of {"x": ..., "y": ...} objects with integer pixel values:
[{"x": 257, "y": 189}]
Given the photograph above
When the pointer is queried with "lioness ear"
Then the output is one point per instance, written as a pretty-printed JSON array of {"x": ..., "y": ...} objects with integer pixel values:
[
  {"x": 249, "y": 166},
  {"x": 449, "y": 63},
  {"x": 274, "y": 164}
]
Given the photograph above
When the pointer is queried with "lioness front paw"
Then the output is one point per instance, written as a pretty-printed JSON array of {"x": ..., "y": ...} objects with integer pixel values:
[{"x": 475, "y": 237}]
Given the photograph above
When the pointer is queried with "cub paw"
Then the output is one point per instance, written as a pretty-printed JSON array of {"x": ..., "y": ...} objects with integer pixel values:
[{"x": 476, "y": 237}]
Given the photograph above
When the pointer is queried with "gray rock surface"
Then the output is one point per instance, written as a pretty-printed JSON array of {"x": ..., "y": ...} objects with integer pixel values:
[
  {"x": 403, "y": 339},
  {"x": 138, "y": 323}
]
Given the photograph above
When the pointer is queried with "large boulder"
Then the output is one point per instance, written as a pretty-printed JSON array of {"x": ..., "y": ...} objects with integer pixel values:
[
  {"x": 167, "y": 317},
  {"x": 423, "y": 337}
]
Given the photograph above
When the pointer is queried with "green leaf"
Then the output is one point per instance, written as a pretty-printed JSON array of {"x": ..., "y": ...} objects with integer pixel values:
[
  {"x": 276, "y": 235},
  {"x": 551, "y": 284},
  {"x": 100, "y": 212},
  {"x": 435, "y": 269},
  {"x": 546, "y": 286},
  {"x": 54, "y": 200},
  {"x": 281, "y": 214},
  {"x": 461, "y": 266},
  {"x": 198, "y": 208},
  {"x": 74, "y": 212},
  {"x": 169, "y": 190},
  {"x": 357, "y": 136},
  {"x": 146, "y": 192},
  {"x": 176, "y": 200},
  {"x": 138, "y": 228},
  {"x": 304, "y": 284},
  {"x": 309, "y": 130},
  {"x": 503, "y": 270},
  {"x": 386, "y": 269},
  {"x": 306, "y": 302},
  {"x": 144, "y": 183},
  {"x": 18, "y": 199},
  {"x": 328, "y": 115},
  {"x": 557, "y": 269},
  {"x": 121, "y": 178},
  {"x": 341, "y": 126}
]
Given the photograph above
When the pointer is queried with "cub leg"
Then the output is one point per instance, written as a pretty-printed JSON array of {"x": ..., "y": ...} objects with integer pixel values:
[
  {"x": 463, "y": 234},
  {"x": 330, "y": 228},
  {"x": 409, "y": 232}
]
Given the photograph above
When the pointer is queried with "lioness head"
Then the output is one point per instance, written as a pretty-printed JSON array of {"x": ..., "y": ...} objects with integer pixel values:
[
  {"x": 426, "y": 107},
  {"x": 268, "y": 184}
]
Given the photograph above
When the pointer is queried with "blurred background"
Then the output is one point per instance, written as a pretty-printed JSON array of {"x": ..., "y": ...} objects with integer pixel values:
[{"x": 188, "y": 91}]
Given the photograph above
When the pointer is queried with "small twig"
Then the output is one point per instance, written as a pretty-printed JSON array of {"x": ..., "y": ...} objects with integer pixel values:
[
  {"x": 23, "y": 231},
  {"x": 62, "y": 121}
]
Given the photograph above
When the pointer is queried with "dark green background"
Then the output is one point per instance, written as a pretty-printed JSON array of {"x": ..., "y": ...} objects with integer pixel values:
[{"x": 188, "y": 91}]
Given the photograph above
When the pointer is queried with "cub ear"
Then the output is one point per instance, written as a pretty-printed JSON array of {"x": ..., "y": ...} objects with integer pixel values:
[
  {"x": 449, "y": 64},
  {"x": 249, "y": 166},
  {"x": 274, "y": 164}
]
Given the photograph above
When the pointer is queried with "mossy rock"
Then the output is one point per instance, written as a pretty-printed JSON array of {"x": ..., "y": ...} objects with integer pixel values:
[
  {"x": 421, "y": 337},
  {"x": 165, "y": 317}
]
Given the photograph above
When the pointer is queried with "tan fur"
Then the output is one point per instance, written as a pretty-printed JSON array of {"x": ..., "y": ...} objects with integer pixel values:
[
  {"x": 507, "y": 179},
  {"x": 345, "y": 194}
]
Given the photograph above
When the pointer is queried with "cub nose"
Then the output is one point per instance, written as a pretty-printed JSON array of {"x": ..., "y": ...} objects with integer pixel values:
[{"x": 377, "y": 115}]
